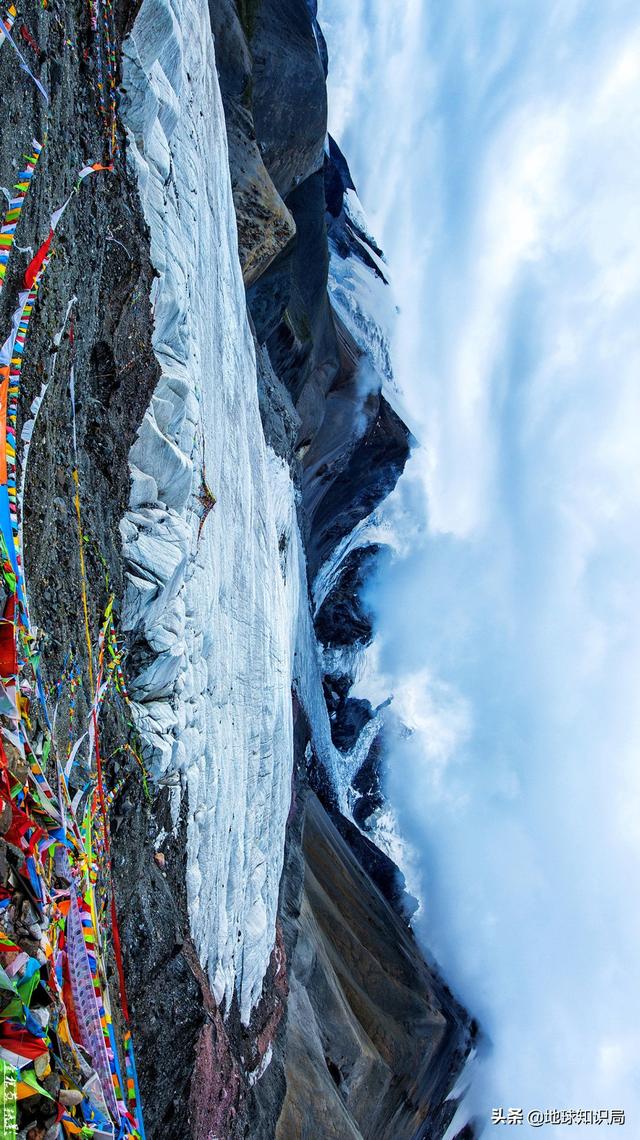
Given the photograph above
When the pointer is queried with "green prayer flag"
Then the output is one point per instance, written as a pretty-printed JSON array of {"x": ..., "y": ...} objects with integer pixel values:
[
  {"x": 7, "y": 983},
  {"x": 25, "y": 987},
  {"x": 28, "y": 1076}
]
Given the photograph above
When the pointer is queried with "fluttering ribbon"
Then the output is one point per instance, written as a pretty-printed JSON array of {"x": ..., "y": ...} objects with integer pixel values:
[
  {"x": 88, "y": 1013},
  {"x": 11, "y": 354},
  {"x": 10, "y": 367},
  {"x": 102, "y": 24},
  {"x": 14, "y": 209},
  {"x": 7, "y": 23},
  {"x": 29, "y": 40},
  {"x": 29, "y": 426},
  {"x": 5, "y": 34}
]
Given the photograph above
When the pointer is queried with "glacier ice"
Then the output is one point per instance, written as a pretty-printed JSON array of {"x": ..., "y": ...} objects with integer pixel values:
[{"x": 211, "y": 604}]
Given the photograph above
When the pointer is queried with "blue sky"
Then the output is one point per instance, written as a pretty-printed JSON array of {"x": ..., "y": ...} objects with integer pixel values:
[{"x": 496, "y": 150}]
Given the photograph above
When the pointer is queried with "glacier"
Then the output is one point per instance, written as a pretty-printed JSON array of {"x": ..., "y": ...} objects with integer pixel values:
[{"x": 211, "y": 603}]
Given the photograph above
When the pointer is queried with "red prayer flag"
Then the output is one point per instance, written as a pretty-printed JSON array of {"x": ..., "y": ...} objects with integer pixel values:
[{"x": 35, "y": 265}]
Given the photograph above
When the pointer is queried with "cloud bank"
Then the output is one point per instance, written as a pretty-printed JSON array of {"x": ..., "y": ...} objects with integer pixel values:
[{"x": 495, "y": 147}]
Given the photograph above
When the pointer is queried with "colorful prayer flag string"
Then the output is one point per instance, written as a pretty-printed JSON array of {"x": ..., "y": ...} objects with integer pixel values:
[
  {"x": 29, "y": 426},
  {"x": 11, "y": 354},
  {"x": 44, "y": 824},
  {"x": 7, "y": 23},
  {"x": 14, "y": 209},
  {"x": 5, "y": 30}
]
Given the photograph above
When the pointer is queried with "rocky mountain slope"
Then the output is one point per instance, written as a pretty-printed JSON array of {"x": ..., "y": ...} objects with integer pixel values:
[{"x": 206, "y": 400}]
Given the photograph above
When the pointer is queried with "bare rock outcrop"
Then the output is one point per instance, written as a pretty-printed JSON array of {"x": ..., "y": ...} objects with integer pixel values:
[{"x": 373, "y": 1034}]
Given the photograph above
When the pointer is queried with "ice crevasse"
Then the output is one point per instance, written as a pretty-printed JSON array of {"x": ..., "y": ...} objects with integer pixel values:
[{"x": 213, "y": 593}]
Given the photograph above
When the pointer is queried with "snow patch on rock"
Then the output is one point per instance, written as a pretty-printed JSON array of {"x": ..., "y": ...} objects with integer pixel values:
[{"x": 364, "y": 300}]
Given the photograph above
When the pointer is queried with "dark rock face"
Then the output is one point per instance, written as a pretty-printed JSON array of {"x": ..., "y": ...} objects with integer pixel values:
[
  {"x": 337, "y": 179},
  {"x": 347, "y": 236},
  {"x": 344, "y": 618},
  {"x": 467, "y": 1133},
  {"x": 348, "y": 716},
  {"x": 368, "y": 476},
  {"x": 379, "y": 867},
  {"x": 265, "y": 226},
  {"x": 368, "y": 784},
  {"x": 291, "y": 312},
  {"x": 302, "y": 345},
  {"x": 373, "y": 1034},
  {"x": 289, "y": 90}
]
